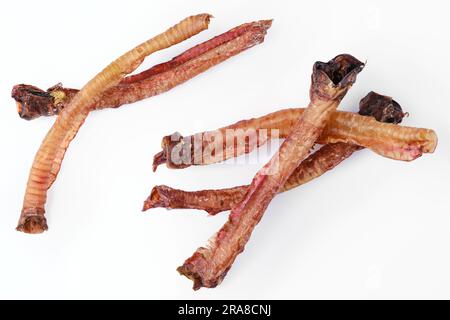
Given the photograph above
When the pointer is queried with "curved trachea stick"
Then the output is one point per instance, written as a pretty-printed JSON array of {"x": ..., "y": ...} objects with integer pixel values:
[
  {"x": 330, "y": 82},
  {"x": 50, "y": 155}
]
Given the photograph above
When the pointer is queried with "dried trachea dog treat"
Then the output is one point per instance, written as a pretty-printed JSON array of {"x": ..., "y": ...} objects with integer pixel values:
[
  {"x": 51, "y": 153},
  {"x": 330, "y": 82},
  {"x": 386, "y": 139}
]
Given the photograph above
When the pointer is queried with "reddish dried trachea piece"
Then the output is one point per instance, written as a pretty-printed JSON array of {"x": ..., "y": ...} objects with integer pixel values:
[
  {"x": 212, "y": 201},
  {"x": 383, "y": 108},
  {"x": 330, "y": 82},
  {"x": 50, "y": 155},
  {"x": 255, "y": 31},
  {"x": 215, "y": 201},
  {"x": 33, "y": 102}
]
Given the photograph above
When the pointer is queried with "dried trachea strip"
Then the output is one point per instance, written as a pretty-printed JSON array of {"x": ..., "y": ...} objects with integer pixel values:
[
  {"x": 214, "y": 201},
  {"x": 381, "y": 107},
  {"x": 33, "y": 102},
  {"x": 386, "y": 139},
  {"x": 50, "y": 155},
  {"x": 254, "y": 33},
  {"x": 330, "y": 82}
]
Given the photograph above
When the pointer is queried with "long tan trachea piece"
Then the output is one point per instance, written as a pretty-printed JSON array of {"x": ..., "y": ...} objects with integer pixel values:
[
  {"x": 386, "y": 139},
  {"x": 50, "y": 155}
]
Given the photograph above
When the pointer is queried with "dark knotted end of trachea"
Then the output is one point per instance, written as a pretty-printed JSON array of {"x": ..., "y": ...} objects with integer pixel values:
[
  {"x": 331, "y": 80},
  {"x": 382, "y": 108},
  {"x": 32, "y": 102}
]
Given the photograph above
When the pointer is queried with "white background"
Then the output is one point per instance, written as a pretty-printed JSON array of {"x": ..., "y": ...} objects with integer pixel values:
[{"x": 371, "y": 228}]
